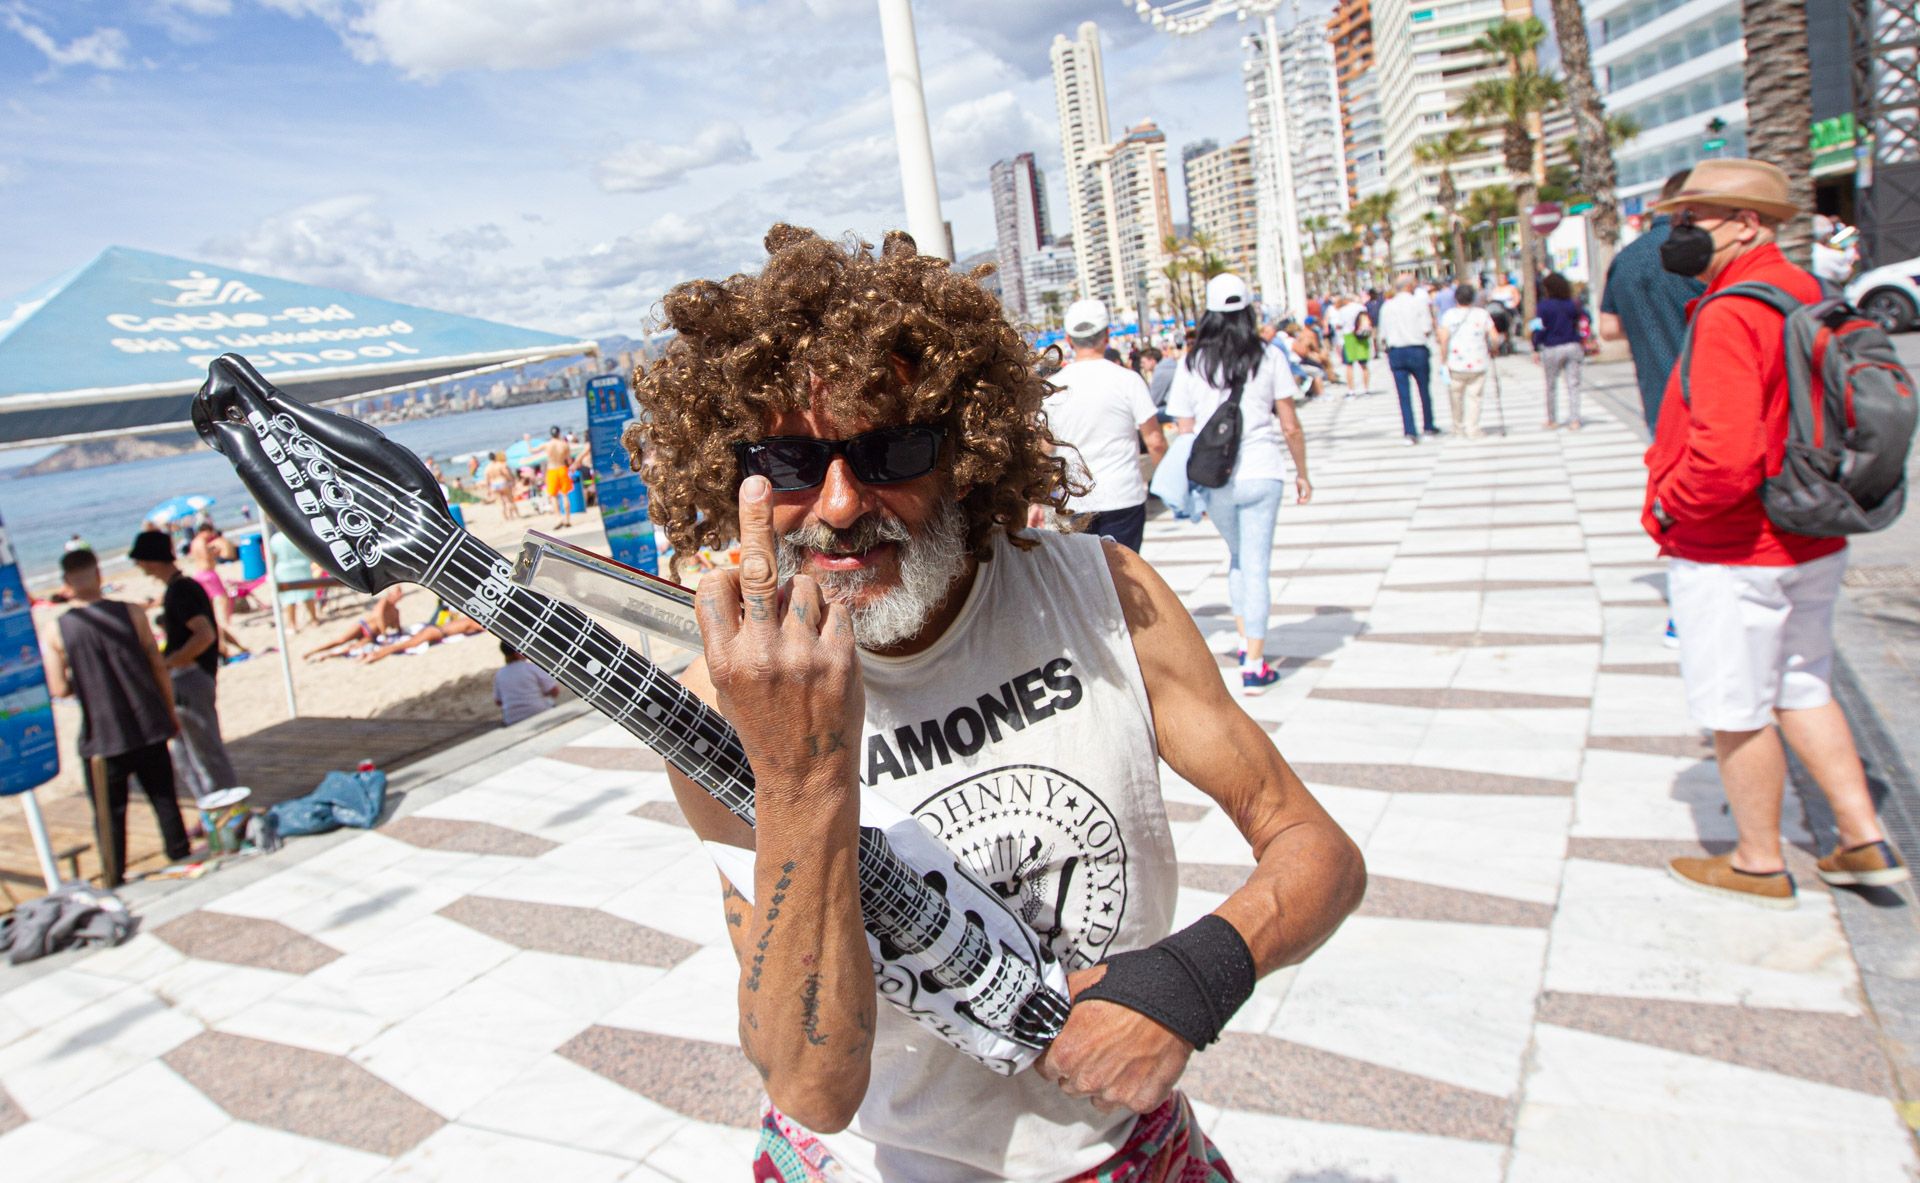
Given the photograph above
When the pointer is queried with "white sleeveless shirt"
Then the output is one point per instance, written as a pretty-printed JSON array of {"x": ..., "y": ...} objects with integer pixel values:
[{"x": 1022, "y": 739}]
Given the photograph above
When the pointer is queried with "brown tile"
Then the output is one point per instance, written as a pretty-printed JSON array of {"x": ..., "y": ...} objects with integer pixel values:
[
  {"x": 11, "y": 1115},
  {"x": 1654, "y": 745},
  {"x": 1492, "y": 585},
  {"x": 1477, "y": 640},
  {"x": 1840, "y": 1050},
  {"x": 1407, "y": 899},
  {"x": 1418, "y": 778},
  {"x": 665, "y": 812},
  {"x": 1657, "y": 668},
  {"x": 1329, "y": 544},
  {"x": 705, "y": 1081},
  {"x": 1182, "y": 811},
  {"x": 1448, "y": 699},
  {"x": 1500, "y": 553},
  {"x": 245, "y": 940},
  {"x": 441, "y": 833},
  {"x": 1281, "y": 610},
  {"x": 1262, "y": 1074},
  {"x": 1228, "y": 661},
  {"x": 1313, "y": 572},
  {"x": 1656, "y": 563},
  {"x": 1220, "y": 878},
  {"x": 561, "y": 928},
  {"x": 303, "y": 1092},
  {"x": 611, "y": 759}
]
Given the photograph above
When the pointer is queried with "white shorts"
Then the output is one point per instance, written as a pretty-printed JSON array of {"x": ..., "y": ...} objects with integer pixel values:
[{"x": 1754, "y": 640}]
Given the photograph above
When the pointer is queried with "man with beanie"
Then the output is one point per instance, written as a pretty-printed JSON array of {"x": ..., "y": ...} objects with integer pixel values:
[{"x": 192, "y": 661}]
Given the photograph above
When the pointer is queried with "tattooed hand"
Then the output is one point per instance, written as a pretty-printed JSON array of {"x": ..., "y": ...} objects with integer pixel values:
[{"x": 783, "y": 666}]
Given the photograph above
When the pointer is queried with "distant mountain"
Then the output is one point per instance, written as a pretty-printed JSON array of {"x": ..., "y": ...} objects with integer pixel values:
[{"x": 119, "y": 450}]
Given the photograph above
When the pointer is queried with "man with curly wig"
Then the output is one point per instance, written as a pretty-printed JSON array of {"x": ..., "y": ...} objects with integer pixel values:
[{"x": 870, "y": 428}]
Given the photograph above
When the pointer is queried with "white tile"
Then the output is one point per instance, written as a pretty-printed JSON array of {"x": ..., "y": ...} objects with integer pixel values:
[
  {"x": 1263, "y": 1148},
  {"x": 1510, "y": 741},
  {"x": 1453, "y": 1002},
  {"x": 1510, "y": 846},
  {"x": 1633, "y": 931},
  {"x": 90, "y": 1047},
  {"x": 457, "y": 1152},
  {"x": 1636, "y": 795},
  {"x": 139, "y": 958},
  {"x": 149, "y": 1108},
  {"x": 211, "y": 990},
  {"x": 559, "y": 1101},
  {"x": 246, "y": 1153},
  {"x": 1332, "y": 731},
  {"x": 1599, "y": 1110},
  {"x": 53, "y": 997},
  {"x": 1641, "y": 704},
  {"x": 1530, "y": 669},
  {"x": 40, "y": 1152},
  {"x": 696, "y": 999},
  {"x": 700, "y": 1151}
]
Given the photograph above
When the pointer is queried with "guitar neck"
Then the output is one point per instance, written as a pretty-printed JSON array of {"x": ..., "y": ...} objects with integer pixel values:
[{"x": 606, "y": 673}]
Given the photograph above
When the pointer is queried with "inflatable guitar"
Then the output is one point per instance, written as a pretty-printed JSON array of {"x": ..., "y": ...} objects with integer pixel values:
[{"x": 947, "y": 951}]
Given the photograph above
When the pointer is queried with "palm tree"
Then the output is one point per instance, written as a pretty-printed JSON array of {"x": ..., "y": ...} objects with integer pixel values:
[
  {"x": 1445, "y": 151},
  {"x": 1780, "y": 107},
  {"x": 1514, "y": 102},
  {"x": 1489, "y": 206},
  {"x": 1596, "y": 139},
  {"x": 1050, "y": 300},
  {"x": 1372, "y": 220}
]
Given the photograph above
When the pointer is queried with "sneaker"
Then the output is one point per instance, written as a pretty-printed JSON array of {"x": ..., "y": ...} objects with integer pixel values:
[
  {"x": 1410, "y": 441},
  {"x": 1872, "y": 865},
  {"x": 1434, "y": 431},
  {"x": 1254, "y": 682},
  {"x": 1718, "y": 876},
  {"x": 1672, "y": 638}
]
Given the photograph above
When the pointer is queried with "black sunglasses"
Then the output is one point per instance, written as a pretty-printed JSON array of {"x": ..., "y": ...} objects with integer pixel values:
[{"x": 879, "y": 457}]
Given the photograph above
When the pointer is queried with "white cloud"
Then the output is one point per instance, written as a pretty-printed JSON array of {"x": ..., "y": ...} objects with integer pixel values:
[
  {"x": 644, "y": 165},
  {"x": 428, "y": 38},
  {"x": 103, "y": 49},
  {"x": 486, "y": 237}
]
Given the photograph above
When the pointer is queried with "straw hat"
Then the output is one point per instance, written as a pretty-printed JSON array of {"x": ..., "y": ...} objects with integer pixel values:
[{"x": 1736, "y": 184}]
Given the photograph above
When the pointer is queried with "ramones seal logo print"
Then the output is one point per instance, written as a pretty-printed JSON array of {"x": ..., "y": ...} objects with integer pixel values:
[{"x": 1047, "y": 845}]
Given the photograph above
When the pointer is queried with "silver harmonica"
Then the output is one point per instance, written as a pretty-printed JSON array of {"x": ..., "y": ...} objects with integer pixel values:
[{"x": 599, "y": 585}]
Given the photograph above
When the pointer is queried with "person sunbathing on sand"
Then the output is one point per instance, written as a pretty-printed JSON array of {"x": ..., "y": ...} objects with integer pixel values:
[
  {"x": 456, "y": 624},
  {"x": 381, "y": 618}
]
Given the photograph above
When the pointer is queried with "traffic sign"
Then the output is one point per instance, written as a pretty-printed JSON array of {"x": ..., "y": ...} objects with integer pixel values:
[
  {"x": 1715, "y": 144},
  {"x": 1545, "y": 217}
]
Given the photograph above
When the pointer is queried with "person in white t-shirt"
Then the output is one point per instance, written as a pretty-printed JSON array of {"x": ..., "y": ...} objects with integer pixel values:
[
  {"x": 1098, "y": 415},
  {"x": 1226, "y": 353},
  {"x": 1354, "y": 333},
  {"x": 522, "y": 689},
  {"x": 1467, "y": 340}
]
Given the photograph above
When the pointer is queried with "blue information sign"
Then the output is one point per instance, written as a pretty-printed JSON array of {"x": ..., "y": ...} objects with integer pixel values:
[
  {"x": 28, "y": 753},
  {"x": 622, "y": 494}
]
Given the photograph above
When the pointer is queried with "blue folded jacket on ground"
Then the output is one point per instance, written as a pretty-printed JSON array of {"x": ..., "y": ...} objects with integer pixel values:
[{"x": 342, "y": 799}]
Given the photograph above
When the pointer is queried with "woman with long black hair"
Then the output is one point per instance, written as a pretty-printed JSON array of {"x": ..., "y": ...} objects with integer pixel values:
[{"x": 1228, "y": 356}]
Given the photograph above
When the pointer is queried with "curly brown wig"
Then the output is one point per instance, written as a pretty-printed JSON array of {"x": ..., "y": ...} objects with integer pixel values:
[{"x": 834, "y": 321}]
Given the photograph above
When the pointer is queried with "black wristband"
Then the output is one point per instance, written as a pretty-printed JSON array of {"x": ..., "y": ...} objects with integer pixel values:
[{"x": 1191, "y": 983}]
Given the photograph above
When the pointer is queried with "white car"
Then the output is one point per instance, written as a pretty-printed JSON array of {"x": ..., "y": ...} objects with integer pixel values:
[{"x": 1890, "y": 294}]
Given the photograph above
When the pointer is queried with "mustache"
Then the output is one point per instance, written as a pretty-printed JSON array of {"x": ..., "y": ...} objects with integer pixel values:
[{"x": 865, "y": 534}]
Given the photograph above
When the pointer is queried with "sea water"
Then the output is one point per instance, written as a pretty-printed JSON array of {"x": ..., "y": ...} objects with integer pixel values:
[{"x": 106, "y": 505}]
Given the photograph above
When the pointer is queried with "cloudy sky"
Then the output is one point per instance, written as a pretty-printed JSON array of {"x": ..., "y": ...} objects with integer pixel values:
[{"x": 550, "y": 163}]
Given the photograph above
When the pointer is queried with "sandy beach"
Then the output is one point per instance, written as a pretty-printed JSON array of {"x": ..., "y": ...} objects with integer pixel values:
[{"x": 452, "y": 680}]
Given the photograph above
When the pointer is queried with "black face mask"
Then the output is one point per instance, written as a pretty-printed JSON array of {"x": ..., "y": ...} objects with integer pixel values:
[{"x": 1687, "y": 251}]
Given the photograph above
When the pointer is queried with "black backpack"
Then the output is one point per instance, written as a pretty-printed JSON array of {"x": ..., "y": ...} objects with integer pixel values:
[
  {"x": 1851, "y": 414},
  {"x": 1217, "y": 447}
]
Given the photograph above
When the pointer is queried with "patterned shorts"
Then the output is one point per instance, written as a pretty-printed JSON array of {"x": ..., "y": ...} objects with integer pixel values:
[{"x": 1166, "y": 1146}]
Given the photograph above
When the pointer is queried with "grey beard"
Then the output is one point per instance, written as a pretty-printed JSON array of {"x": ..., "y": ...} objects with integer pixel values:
[{"x": 930, "y": 562}]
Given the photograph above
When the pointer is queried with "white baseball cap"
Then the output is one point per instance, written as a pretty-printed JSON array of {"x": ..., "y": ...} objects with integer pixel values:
[
  {"x": 1227, "y": 293},
  {"x": 1086, "y": 318}
]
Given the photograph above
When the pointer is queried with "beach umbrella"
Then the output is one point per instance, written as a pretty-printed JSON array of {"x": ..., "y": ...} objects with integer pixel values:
[{"x": 175, "y": 508}]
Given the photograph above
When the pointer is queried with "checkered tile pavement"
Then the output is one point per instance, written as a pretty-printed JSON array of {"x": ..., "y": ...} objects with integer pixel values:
[{"x": 530, "y": 977}]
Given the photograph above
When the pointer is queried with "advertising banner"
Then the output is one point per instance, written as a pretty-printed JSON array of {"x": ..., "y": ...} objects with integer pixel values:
[
  {"x": 28, "y": 754},
  {"x": 622, "y": 495}
]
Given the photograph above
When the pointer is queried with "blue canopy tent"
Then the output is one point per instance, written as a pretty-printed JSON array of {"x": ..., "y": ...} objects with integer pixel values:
[{"x": 120, "y": 344}]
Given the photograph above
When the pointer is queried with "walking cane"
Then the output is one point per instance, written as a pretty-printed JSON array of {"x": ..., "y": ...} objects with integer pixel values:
[{"x": 105, "y": 831}]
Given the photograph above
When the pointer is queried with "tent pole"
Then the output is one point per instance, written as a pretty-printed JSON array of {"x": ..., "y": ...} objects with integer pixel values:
[{"x": 279, "y": 614}]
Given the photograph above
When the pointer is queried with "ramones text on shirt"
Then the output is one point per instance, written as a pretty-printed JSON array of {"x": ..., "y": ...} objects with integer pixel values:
[{"x": 1023, "y": 699}]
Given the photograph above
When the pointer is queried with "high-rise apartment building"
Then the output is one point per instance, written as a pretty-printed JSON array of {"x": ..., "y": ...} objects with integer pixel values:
[
  {"x": 1315, "y": 128},
  {"x": 1221, "y": 204},
  {"x": 1350, "y": 32},
  {"x": 1020, "y": 227},
  {"x": 1080, "y": 94},
  {"x": 1672, "y": 66},
  {"x": 1128, "y": 213},
  {"x": 1052, "y": 281},
  {"x": 1187, "y": 154},
  {"x": 1426, "y": 61}
]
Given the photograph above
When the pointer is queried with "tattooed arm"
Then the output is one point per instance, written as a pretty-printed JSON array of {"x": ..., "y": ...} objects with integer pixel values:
[{"x": 782, "y": 670}]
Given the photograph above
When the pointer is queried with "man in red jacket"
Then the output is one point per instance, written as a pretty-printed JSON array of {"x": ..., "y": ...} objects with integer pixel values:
[{"x": 1753, "y": 604}]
